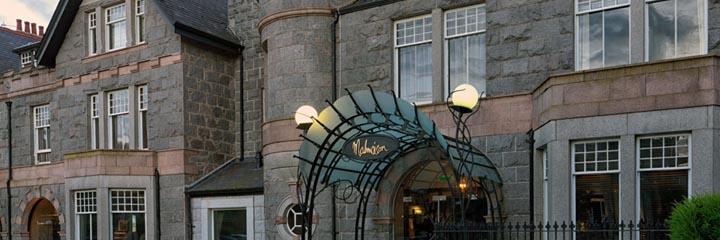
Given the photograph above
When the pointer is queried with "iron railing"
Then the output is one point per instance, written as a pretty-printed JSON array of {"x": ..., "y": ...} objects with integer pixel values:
[{"x": 555, "y": 230}]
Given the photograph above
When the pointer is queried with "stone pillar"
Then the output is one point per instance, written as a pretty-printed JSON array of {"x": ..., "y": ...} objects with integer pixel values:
[{"x": 298, "y": 39}]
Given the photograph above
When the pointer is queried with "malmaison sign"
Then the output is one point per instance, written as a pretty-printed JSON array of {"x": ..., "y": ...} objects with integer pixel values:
[{"x": 370, "y": 147}]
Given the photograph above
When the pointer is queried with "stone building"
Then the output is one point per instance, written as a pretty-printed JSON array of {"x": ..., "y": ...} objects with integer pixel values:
[{"x": 141, "y": 112}]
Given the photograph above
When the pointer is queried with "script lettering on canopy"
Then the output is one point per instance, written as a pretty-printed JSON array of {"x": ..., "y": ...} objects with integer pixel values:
[{"x": 370, "y": 147}]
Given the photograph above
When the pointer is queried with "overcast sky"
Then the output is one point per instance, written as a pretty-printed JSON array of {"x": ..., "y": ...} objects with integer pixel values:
[{"x": 37, "y": 11}]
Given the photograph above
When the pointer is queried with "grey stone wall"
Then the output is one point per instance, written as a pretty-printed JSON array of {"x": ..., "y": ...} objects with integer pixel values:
[
  {"x": 510, "y": 155},
  {"x": 209, "y": 107},
  {"x": 69, "y": 122},
  {"x": 172, "y": 208},
  {"x": 244, "y": 16},
  {"x": 526, "y": 42},
  {"x": 160, "y": 38}
]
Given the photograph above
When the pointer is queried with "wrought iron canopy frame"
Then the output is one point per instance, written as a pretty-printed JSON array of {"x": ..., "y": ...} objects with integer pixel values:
[{"x": 323, "y": 164}]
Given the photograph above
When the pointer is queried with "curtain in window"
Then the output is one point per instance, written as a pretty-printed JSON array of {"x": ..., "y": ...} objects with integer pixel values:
[
  {"x": 466, "y": 61},
  {"x": 415, "y": 80}
]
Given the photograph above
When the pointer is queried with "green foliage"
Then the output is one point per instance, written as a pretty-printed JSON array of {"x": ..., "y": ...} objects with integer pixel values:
[{"x": 696, "y": 218}]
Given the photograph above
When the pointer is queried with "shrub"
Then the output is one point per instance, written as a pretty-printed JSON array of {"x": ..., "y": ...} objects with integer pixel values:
[{"x": 696, "y": 218}]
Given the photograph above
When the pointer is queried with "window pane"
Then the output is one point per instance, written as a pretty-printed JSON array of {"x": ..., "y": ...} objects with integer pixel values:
[
  {"x": 117, "y": 35},
  {"x": 689, "y": 24},
  {"x": 659, "y": 190},
  {"x": 596, "y": 202},
  {"x": 590, "y": 40},
  {"x": 43, "y": 138},
  {"x": 661, "y": 30},
  {"x": 144, "y": 129},
  {"x": 121, "y": 131},
  {"x": 128, "y": 226},
  {"x": 457, "y": 62},
  {"x": 87, "y": 226},
  {"x": 229, "y": 224},
  {"x": 415, "y": 80},
  {"x": 617, "y": 37}
]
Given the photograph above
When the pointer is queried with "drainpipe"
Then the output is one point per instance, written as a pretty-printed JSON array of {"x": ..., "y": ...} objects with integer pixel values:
[
  {"x": 242, "y": 102},
  {"x": 531, "y": 155},
  {"x": 157, "y": 204},
  {"x": 334, "y": 97},
  {"x": 7, "y": 187}
]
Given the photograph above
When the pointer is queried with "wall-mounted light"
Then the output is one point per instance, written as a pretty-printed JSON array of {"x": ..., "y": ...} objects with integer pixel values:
[
  {"x": 464, "y": 98},
  {"x": 304, "y": 117}
]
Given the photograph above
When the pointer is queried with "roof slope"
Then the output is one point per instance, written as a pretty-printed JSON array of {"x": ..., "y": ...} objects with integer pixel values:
[
  {"x": 235, "y": 177},
  {"x": 9, "y": 40},
  {"x": 201, "y": 20},
  {"x": 209, "y": 16}
]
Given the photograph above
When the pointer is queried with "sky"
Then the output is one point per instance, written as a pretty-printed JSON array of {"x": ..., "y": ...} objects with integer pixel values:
[{"x": 37, "y": 11}]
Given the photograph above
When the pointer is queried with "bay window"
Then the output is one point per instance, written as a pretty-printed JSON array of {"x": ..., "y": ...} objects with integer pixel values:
[
  {"x": 465, "y": 44},
  {"x": 674, "y": 28},
  {"x": 602, "y": 33},
  {"x": 86, "y": 215},
  {"x": 119, "y": 120},
  {"x": 127, "y": 210},
  {"x": 413, "y": 44},
  {"x": 663, "y": 169},
  {"x": 596, "y": 168},
  {"x": 42, "y": 133},
  {"x": 115, "y": 27}
]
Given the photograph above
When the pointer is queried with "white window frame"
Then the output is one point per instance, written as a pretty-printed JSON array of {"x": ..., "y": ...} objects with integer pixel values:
[
  {"x": 638, "y": 170},
  {"x": 111, "y": 114},
  {"x": 573, "y": 193},
  {"x": 142, "y": 101},
  {"x": 295, "y": 215},
  {"x": 446, "y": 40},
  {"x": 109, "y": 23},
  {"x": 36, "y": 128},
  {"x": 94, "y": 121},
  {"x": 79, "y": 210},
  {"x": 579, "y": 13},
  {"x": 396, "y": 52},
  {"x": 704, "y": 30},
  {"x": 140, "y": 9},
  {"x": 211, "y": 220},
  {"x": 144, "y": 206},
  {"x": 26, "y": 58},
  {"x": 92, "y": 33},
  {"x": 546, "y": 185}
]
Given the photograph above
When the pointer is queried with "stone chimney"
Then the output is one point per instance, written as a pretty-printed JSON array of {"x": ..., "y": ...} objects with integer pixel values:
[
  {"x": 41, "y": 30},
  {"x": 19, "y": 25},
  {"x": 27, "y": 27},
  {"x": 34, "y": 28}
]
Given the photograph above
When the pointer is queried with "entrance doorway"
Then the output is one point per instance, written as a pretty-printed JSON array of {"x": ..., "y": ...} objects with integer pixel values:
[
  {"x": 425, "y": 199},
  {"x": 43, "y": 222}
]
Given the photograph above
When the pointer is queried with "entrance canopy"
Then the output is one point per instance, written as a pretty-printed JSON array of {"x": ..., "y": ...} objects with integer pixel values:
[{"x": 371, "y": 113}]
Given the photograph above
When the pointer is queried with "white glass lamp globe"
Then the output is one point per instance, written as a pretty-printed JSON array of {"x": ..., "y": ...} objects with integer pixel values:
[
  {"x": 304, "y": 116},
  {"x": 464, "y": 98}
]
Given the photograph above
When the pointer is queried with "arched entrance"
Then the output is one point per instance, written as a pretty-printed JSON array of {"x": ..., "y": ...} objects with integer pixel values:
[
  {"x": 359, "y": 137},
  {"x": 424, "y": 199},
  {"x": 43, "y": 222}
]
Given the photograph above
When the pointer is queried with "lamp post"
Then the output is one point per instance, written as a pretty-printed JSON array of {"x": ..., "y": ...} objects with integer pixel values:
[
  {"x": 304, "y": 117},
  {"x": 463, "y": 102}
]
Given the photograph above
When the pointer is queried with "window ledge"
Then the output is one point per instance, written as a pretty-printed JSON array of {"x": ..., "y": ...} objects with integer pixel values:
[{"x": 113, "y": 53}]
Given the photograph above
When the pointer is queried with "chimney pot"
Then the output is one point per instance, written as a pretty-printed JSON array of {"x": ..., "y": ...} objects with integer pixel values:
[
  {"x": 41, "y": 30},
  {"x": 34, "y": 28},
  {"x": 18, "y": 25},
  {"x": 27, "y": 27}
]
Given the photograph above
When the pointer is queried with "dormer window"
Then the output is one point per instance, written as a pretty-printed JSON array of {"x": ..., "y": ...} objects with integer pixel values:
[
  {"x": 115, "y": 27},
  {"x": 26, "y": 58}
]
